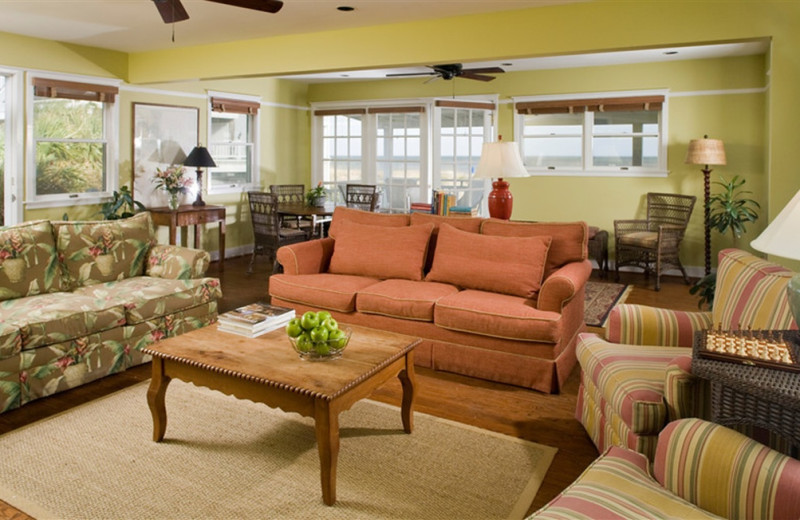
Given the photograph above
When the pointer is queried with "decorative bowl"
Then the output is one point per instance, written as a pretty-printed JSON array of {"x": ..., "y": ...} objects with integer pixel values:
[{"x": 321, "y": 350}]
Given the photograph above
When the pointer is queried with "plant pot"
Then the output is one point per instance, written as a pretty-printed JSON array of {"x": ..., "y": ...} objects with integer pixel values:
[{"x": 319, "y": 201}]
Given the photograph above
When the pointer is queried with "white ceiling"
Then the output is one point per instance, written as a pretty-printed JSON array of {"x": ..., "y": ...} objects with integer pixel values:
[{"x": 135, "y": 26}]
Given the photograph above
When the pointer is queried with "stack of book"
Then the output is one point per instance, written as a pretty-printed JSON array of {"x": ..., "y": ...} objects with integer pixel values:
[
  {"x": 462, "y": 211},
  {"x": 421, "y": 207},
  {"x": 442, "y": 202},
  {"x": 255, "y": 319}
]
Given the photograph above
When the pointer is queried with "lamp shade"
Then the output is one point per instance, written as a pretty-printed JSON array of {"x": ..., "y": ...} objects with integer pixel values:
[
  {"x": 781, "y": 236},
  {"x": 706, "y": 151},
  {"x": 500, "y": 159},
  {"x": 200, "y": 158}
]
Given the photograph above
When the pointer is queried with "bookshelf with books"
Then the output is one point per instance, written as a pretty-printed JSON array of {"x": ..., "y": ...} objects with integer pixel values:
[{"x": 255, "y": 319}]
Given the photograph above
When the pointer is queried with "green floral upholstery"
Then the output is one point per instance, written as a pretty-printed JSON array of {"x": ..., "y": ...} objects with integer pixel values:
[
  {"x": 28, "y": 263},
  {"x": 177, "y": 262},
  {"x": 102, "y": 251}
]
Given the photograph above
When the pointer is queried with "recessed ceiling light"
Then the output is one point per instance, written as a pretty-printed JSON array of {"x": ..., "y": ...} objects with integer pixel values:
[
  {"x": 346, "y": 8},
  {"x": 506, "y": 64},
  {"x": 670, "y": 53}
]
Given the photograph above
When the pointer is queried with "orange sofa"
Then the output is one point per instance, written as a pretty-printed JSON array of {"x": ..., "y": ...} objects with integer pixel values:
[{"x": 491, "y": 299}]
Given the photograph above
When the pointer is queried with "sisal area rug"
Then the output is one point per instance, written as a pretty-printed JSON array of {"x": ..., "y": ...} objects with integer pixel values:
[
  {"x": 227, "y": 458},
  {"x": 601, "y": 297}
]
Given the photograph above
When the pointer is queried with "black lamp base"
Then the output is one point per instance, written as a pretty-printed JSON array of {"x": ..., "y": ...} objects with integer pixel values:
[{"x": 199, "y": 200}]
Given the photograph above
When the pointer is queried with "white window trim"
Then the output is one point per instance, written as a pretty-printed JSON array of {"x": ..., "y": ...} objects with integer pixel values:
[
  {"x": 13, "y": 176},
  {"x": 111, "y": 126},
  {"x": 255, "y": 166},
  {"x": 594, "y": 172}
]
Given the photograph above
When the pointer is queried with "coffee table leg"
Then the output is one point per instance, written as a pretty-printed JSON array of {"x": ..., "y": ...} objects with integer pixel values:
[
  {"x": 327, "y": 429},
  {"x": 155, "y": 399},
  {"x": 408, "y": 381}
]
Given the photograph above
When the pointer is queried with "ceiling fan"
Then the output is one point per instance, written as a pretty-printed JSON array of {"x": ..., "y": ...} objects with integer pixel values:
[
  {"x": 454, "y": 70},
  {"x": 173, "y": 11}
]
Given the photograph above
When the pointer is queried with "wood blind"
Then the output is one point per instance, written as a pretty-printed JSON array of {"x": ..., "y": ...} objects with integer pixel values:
[
  {"x": 481, "y": 105},
  {"x": 52, "y": 88},
  {"x": 396, "y": 110},
  {"x": 340, "y": 112},
  {"x": 234, "y": 106},
  {"x": 576, "y": 106}
]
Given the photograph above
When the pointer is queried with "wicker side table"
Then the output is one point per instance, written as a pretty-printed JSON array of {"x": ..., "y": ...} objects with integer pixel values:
[
  {"x": 598, "y": 249},
  {"x": 754, "y": 396}
]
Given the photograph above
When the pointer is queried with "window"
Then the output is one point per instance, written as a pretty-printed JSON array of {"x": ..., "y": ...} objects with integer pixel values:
[
  {"x": 342, "y": 136},
  {"x": 600, "y": 135},
  {"x": 398, "y": 158},
  {"x": 73, "y": 134},
  {"x": 232, "y": 143}
]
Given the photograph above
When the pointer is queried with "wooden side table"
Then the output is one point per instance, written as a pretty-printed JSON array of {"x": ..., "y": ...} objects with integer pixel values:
[
  {"x": 188, "y": 215},
  {"x": 598, "y": 249}
]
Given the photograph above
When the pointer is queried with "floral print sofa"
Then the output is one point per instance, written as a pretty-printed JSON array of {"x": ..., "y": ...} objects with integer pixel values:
[{"x": 80, "y": 300}]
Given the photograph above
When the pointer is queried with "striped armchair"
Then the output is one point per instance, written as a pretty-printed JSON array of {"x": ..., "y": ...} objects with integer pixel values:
[
  {"x": 701, "y": 470},
  {"x": 638, "y": 377}
]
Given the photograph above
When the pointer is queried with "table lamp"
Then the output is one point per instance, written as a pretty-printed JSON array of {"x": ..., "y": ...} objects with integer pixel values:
[
  {"x": 200, "y": 158},
  {"x": 708, "y": 152},
  {"x": 781, "y": 239},
  {"x": 498, "y": 160}
]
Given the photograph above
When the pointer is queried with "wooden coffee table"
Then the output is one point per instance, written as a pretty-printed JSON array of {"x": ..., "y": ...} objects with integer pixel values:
[{"x": 267, "y": 370}]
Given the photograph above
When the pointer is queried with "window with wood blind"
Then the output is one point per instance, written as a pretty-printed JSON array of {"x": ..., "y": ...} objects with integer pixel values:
[
  {"x": 603, "y": 134},
  {"x": 233, "y": 142},
  {"x": 73, "y": 140}
]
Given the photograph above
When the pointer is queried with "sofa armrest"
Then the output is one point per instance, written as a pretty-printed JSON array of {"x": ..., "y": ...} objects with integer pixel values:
[
  {"x": 313, "y": 256},
  {"x": 726, "y": 473},
  {"x": 563, "y": 285},
  {"x": 176, "y": 262},
  {"x": 644, "y": 325}
]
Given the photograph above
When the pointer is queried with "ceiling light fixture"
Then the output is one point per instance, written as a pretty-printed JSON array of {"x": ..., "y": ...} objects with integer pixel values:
[
  {"x": 346, "y": 8},
  {"x": 670, "y": 53}
]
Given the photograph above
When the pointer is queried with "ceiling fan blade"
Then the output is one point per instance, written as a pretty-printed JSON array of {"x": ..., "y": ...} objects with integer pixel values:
[
  {"x": 479, "y": 77},
  {"x": 484, "y": 70},
  {"x": 404, "y": 74},
  {"x": 268, "y": 6},
  {"x": 171, "y": 11}
]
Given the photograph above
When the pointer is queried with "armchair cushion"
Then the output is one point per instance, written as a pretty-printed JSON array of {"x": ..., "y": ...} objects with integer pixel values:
[{"x": 648, "y": 239}]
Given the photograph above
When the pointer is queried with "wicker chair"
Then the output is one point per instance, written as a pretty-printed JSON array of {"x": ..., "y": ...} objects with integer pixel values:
[
  {"x": 268, "y": 234},
  {"x": 654, "y": 244},
  {"x": 361, "y": 196}
]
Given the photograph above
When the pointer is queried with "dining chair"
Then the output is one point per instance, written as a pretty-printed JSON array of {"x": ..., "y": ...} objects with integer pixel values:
[
  {"x": 654, "y": 243},
  {"x": 361, "y": 196},
  {"x": 268, "y": 234},
  {"x": 291, "y": 194}
]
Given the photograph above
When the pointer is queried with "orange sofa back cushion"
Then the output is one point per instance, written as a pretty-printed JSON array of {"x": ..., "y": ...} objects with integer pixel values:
[
  {"x": 508, "y": 265},
  {"x": 380, "y": 251},
  {"x": 570, "y": 239},
  {"x": 473, "y": 225},
  {"x": 342, "y": 214}
]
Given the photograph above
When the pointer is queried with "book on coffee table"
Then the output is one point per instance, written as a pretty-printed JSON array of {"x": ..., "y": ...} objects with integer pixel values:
[{"x": 255, "y": 319}]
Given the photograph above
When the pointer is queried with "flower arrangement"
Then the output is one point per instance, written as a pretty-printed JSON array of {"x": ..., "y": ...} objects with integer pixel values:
[
  {"x": 316, "y": 195},
  {"x": 172, "y": 180}
]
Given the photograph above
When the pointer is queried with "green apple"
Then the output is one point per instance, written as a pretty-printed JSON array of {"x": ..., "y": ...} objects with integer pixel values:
[
  {"x": 337, "y": 339},
  {"x": 318, "y": 334},
  {"x": 330, "y": 324},
  {"x": 323, "y": 315},
  {"x": 322, "y": 348},
  {"x": 304, "y": 343},
  {"x": 309, "y": 320},
  {"x": 294, "y": 328}
]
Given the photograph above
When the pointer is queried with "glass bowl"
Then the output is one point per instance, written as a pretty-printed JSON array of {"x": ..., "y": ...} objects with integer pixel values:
[{"x": 321, "y": 350}]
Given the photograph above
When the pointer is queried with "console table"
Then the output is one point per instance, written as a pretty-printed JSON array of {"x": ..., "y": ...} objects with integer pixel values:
[
  {"x": 751, "y": 395},
  {"x": 188, "y": 215}
]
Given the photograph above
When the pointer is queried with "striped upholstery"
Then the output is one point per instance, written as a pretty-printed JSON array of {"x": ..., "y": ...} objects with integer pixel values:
[
  {"x": 726, "y": 473},
  {"x": 643, "y": 325},
  {"x": 751, "y": 293},
  {"x": 701, "y": 470}
]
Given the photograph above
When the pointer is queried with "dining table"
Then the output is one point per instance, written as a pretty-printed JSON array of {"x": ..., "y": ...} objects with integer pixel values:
[{"x": 318, "y": 215}]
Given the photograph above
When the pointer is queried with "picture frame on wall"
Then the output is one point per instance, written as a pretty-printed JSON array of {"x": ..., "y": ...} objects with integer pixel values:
[{"x": 163, "y": 135}]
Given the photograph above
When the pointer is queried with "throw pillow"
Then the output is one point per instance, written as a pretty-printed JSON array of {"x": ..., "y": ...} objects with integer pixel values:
[
  {"x": 471, "y": 224},
  {"x": 507, "y": 265},
  {"x": 342, "y": 214},
  {"x": 28, "y": 261},
  {"x": 380, "y": 252}
]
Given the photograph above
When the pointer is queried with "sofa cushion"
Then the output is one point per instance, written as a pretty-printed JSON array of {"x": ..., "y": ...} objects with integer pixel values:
[
  {"x": 405, "y": 299},
  {"x": 507, "y": 265},
  {"x": 106, "y": 250},
  {"x": 618, "y": 485},
  {"x": 10, "y": 340},
  {"x": 46, "y": 319},
  {"x": 345, "y": 214},
  {"x": 473, "y": 225},
  {"x": 497, "y": 315},
  {"x": 630, "y": 379},
  {"x": 569, "y": 239},
  {"x": 380, "y": 252},
  {"x": 28, "y": 261},
  {"x": 145, "y": 298},
  {"x": 328, "y": 291}
]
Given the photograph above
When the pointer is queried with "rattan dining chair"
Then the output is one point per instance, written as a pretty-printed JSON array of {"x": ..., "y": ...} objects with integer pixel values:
[
  {"x": 361, "y": 196},
  {"x": 268, "y": 234},
  {"x": 654, "y": 244}
]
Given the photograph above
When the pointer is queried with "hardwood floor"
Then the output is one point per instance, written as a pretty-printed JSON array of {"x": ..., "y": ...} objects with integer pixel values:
[{"x": 542, "y": 418}]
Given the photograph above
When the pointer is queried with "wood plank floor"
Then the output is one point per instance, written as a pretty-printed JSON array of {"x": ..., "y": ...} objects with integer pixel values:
[{"x": 542, "y": 418}]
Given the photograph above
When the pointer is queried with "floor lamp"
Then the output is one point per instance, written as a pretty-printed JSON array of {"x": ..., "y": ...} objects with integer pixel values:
[
  {"x": 498, "y": 160},
  {"x": 707, "y": 152},
  {"x": 200, "y": 158}
]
